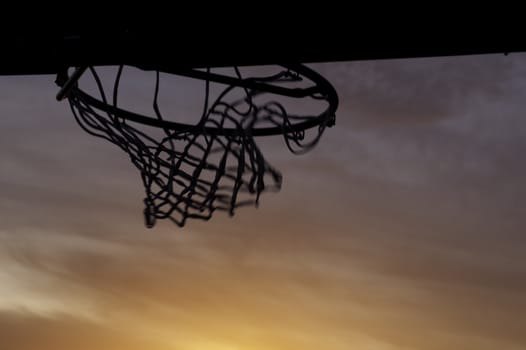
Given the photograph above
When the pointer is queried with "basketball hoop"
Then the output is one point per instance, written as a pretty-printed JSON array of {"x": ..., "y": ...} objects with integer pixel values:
[{"x": 191, "y": 170}]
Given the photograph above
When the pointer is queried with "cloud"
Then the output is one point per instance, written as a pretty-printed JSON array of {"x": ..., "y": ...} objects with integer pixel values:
[
  {"x": 279, "y": 292},
  {"x": 414, "y": 91},
  {"x": 27, "y": 332}
]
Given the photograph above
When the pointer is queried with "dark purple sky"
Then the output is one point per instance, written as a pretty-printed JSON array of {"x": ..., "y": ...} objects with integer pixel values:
[{"x": 403, "y": 229}]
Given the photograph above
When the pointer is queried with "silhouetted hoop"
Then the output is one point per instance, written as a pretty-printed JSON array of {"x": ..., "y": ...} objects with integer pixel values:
[{"x": 190, "y": 171}]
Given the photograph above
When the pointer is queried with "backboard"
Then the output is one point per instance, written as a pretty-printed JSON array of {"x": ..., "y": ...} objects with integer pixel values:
[{"x": 47, "y": 51}]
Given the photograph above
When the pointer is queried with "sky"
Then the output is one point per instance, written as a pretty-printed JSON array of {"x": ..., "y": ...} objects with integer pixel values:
[{"x": 403, "y": 229}]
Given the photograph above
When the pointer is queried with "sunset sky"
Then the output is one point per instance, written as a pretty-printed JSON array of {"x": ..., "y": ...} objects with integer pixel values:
[{"x": 404, "y": 229}]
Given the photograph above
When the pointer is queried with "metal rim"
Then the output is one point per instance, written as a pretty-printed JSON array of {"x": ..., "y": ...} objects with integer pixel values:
[{"x": 326, "y": 118}]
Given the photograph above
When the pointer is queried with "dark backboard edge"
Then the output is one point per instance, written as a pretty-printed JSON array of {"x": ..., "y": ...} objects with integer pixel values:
[{"x": 48, "y": 53}]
